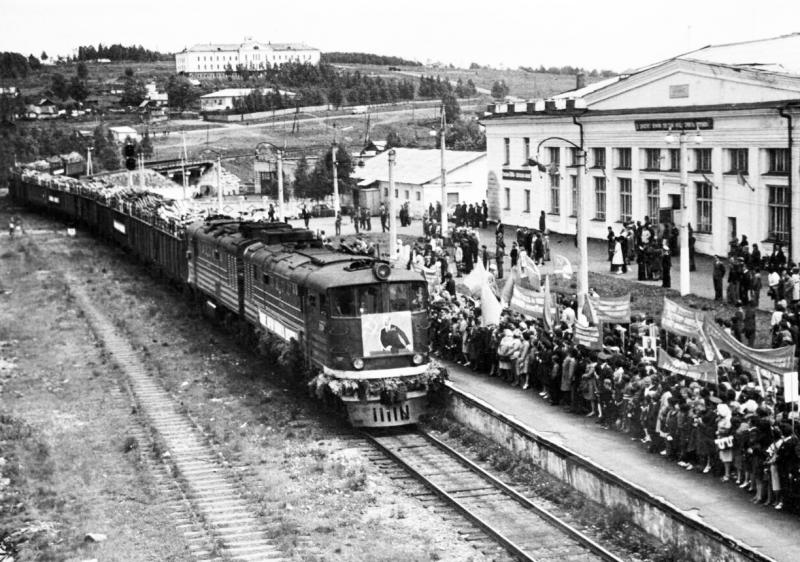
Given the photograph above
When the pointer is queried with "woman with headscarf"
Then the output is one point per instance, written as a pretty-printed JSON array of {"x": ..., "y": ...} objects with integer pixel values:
[{"x": 666, "y": 265}]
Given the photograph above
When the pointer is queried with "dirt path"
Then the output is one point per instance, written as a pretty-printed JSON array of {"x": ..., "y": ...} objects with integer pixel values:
[{"x": 66, "y": 408}]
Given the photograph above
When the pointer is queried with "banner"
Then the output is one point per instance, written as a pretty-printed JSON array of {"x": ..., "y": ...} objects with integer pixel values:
[
  {"x": 706, "y": 372},
  {"x": 776, "y": 360},
  {"x": 527, "y": 302},
  {"x": 616, "y": 310},
  {"x": 790, "y": 388},
  {"x": 681, "y": 320},
  {"x": 562, "y": 266},
  {"x": 587, "y": 336}
]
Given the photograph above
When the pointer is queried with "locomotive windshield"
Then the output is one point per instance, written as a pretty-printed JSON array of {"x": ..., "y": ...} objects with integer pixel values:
[{"x": 378, "y": 298}]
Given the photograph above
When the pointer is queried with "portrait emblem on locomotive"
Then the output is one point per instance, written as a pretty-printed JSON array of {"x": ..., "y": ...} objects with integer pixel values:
[{"x": 387, "y": 333}]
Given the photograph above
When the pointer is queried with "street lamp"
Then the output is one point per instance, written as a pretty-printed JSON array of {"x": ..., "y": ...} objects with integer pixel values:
[
  {"x": 392, "y": 218},
  {"x": 683, "y": 139},
  {"x": 264, "y": 152},
  {"x": 580, "y": 220}
]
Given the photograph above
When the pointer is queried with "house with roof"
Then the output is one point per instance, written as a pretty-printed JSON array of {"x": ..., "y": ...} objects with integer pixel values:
[
  {"x": 726, "y": 114},
  {"x": 417, "y": 179},
  {"x": 224, "y": 100},
  {"x": 123, "y": 132}
]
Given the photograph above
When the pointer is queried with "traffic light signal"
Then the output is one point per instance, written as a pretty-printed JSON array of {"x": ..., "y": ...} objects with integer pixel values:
[{"x": 130, "y": 156}]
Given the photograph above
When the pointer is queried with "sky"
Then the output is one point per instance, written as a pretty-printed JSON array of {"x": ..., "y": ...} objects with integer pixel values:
[{"x": 611, "y": 34}]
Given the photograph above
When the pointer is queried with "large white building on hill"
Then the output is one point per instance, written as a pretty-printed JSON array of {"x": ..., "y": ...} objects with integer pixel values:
[
  {"x": 738, "y": 107},
  {"x": 213, "y": 59}
]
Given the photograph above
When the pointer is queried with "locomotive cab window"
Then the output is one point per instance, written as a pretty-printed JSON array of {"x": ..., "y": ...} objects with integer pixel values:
[
  {"x": 343, "y": 301},
  {"x": 398, "y": 297},
  {"x": 419, "y": 297},
  {"x": 369, "y": 299}
]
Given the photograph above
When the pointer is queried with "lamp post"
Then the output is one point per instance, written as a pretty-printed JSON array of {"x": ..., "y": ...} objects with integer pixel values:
[
  {"x": 683, "y": 139},
  {"x": 580, "y": 219},
  {"x": 392, "y": 218}
]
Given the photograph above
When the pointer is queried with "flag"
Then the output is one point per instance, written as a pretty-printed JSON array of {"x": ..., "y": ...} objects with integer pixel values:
[
  {"x": 527, "y": 302},
  {"x": 475, "y": 279},
  {"x": 561, "y": 265},
  {"x": 549, "y": 320},
  {"x": 508, "y": 288},
  {"x": 530, "y": 271},
  {"x": 490, "y": 307},
  {"x": 589, "y": 312}
]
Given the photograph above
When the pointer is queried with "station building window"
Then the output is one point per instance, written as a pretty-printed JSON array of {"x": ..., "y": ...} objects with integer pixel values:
[
  {"x": 625, "y": 200},
  {"x": 555, "y": 194},
  {"x": 702, "y": 159},
  {"x": 652, "y": 158},
  {"x": 777, "y": 160},
  {"x": 778, "y": 212},
  {"x": 623, "y": 158},
  {"x": 598, "y": 158},
  {"x": 574, "y": 189},
  {"x": 600, "y": 199},
  {"x": 737, "y": 161},
  {"x": 653, "y": 191},
  {"x": 704, "y": 192}
]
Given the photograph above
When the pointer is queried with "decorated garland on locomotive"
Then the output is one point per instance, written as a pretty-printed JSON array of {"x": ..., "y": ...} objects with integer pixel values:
[{"x": 360, "y": 325}]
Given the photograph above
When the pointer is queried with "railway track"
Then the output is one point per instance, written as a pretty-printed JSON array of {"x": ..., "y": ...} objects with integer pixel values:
[
  {"x": 526, "y": 531},
  {"x": 217, "y": 522}
]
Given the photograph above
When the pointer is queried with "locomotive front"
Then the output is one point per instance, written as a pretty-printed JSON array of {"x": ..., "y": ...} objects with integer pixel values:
[{"x": 375, "y": 322}]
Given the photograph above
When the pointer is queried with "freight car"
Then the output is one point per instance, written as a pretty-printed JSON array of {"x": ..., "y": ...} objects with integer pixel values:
[{"x": 360, "y": 326}]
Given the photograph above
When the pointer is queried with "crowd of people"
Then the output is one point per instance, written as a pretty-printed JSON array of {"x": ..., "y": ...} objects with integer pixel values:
[{"x": 737, "y": 429}]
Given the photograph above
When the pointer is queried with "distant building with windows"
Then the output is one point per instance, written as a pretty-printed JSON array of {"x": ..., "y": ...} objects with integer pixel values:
[
  {"x": 210, "y": 60},
  {"x": 740, "y": 100}
]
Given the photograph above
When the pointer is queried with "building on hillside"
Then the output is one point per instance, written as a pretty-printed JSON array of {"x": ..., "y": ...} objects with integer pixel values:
[
  {"x": 123, "y": 132},
  {"x": 417, "y": 175},
  {"x": 224, "y": 100},
  {"x": 156, "y": 98},
  {"x": 211, "y": 60},
  {"x": 741, "y": 102}
]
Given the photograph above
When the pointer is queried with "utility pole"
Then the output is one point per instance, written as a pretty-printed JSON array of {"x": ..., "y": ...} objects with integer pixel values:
[
  {"x": 686, "y": 279},
  {"x": 89, "y": 166},
  {"x": 280, "y": 185},
  {"x": 443, "y": 178},
  {"x": 336, "y": 208},
  {"x": 392, "y": 218},
  {"x": 219, "y": 187},
  {"x": 583, "y": 246}
]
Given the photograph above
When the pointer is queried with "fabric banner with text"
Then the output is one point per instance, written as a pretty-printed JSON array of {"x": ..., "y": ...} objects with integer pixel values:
[
  {"x": 588, "y": 336},
  {"x": 681, "y": 320},
  {"x": 706, "y": 372},
  {"x": 777, "y": 360},
  {"x": 527, "y": 302},
  {"x": 616, "y": 310}
]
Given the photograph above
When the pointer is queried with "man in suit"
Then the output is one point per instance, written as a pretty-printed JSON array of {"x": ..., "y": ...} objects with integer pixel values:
[
  {"x": 393, "y": 338},
  {"x": 717, "y": 276}
]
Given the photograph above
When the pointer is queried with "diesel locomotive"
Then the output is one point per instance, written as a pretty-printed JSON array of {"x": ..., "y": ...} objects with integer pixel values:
[{"x": 360, "y": 325}]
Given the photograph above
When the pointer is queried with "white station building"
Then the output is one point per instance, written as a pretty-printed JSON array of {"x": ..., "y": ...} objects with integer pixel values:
[
  {"x": 736, "y": 110},
  {"x": 213, "y": 59}
]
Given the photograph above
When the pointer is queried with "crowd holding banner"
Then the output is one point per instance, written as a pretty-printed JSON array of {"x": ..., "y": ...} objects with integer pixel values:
[{"x": 687, "y": 389}]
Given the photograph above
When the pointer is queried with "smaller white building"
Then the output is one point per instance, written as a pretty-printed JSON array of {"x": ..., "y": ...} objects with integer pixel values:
[
  {"x": 223, "y": 100},
  {"x": 123, "y": 132},
  {"x": 417, "y": 179}
]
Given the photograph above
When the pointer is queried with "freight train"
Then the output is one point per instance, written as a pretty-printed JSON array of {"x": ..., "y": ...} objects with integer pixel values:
[{"x": 360, "y": 326}]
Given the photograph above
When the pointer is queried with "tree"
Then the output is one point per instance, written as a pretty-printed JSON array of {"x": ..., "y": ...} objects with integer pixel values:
[
  {"x": 34, "y": 63},
  {"x": 13, "y": 65},
  {"x": 133, "y": 93},
  {"x": 466, "y": 134},
  {"x": 393, "y": 139},
  {"x": 180, "y": 92},
  {"x": 499, "y": 89},
  {"x": 59, "y": 86},
  {"x": 43, "y": 56},
  {"x": 129, "y": 72},
  {"x": 301, "y": 179},
  {"x": 82, "y": 71},
  {"x": 321, "y": 180},
  {"x": 451, "y": 108},
  {"x": 78, "y": 89}
]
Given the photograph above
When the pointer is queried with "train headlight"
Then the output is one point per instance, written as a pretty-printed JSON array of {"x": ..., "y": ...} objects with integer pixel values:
[
  {"x": 358, "y": 363},
  {"x": 418, "y": 358}
]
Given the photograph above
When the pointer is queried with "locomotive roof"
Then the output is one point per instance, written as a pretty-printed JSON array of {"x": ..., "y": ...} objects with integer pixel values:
[
  {"x": 235, "y": 235},
  {"x": 321, "y": 268}
]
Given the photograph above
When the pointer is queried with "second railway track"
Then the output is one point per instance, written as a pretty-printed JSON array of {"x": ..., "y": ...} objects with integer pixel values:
[{"x": 525, "y": 530}]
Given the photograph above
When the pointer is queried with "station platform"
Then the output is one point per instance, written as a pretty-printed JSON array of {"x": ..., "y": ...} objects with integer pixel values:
[{"x": 723, "y": 506}]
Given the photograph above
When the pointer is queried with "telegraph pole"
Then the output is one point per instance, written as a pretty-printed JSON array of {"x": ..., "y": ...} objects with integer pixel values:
[
  {"x": 280, "y": 185},
  {"x": 392, "y": 218},
  {"x": 443, "y": 178},
  {"x": 336, "y": 208}
]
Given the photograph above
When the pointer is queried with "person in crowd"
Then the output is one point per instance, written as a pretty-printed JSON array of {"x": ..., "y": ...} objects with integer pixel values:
[
  {"x": 718, "y": 275},
  {"x": 666, "y": 266}
]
